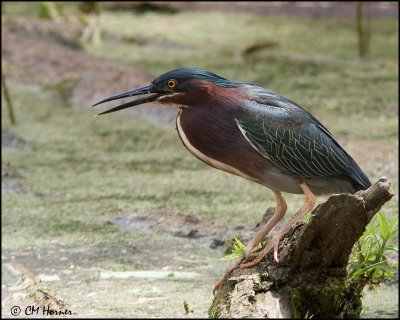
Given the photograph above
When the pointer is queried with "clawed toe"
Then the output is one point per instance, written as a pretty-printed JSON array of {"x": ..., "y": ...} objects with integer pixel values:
[
  {"x": 234, "y": 264},
  {"x": 218, "y": 285},
  {"x": 251, "y": 255},
  {"x": 259, "y": 256},
  {"x": 276, "y": 252}
]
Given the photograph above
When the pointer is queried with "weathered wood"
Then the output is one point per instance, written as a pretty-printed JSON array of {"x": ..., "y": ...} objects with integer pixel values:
[
  {"x": 310, "y": 279},
  {"x": 363, "y": 28}
]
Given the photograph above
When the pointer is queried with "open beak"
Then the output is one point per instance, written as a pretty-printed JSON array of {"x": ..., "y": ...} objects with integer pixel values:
[{"x": 131, "y": 93}]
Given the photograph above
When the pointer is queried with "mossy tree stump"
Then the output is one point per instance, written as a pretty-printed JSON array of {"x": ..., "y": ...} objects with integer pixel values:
[{"x": 311, "y": 277}]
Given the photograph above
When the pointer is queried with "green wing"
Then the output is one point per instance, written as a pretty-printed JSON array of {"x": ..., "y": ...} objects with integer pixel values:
[{"x": 296, "y": 142}]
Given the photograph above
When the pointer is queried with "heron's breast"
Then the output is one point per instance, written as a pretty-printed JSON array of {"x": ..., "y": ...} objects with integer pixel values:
[{"x": 218, "y": 143}]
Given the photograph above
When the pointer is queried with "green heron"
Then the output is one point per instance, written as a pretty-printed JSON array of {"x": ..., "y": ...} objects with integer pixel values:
[{"x": 256, "y": 134}]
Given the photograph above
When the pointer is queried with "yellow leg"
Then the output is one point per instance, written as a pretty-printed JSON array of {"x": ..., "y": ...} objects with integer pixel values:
[
  {"x": 308, "y": 206},
  {"x": 280, "y": 210}
]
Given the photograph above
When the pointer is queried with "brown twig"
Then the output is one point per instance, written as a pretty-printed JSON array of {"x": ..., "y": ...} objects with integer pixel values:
[{"x": 9, "y": 104}]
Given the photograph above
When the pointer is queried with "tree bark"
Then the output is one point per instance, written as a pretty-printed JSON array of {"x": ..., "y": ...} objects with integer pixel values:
[{"x": 310, "y": 279}]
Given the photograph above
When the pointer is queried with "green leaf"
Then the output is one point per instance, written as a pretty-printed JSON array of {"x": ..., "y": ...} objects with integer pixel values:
[
  {"x": 393, "y": 225},
  {"x": 369, "y": 258},
  {"x": 367, "y": 268},
  {"x": 383, "y": 226},
  {"x": 237, "y": 251}
]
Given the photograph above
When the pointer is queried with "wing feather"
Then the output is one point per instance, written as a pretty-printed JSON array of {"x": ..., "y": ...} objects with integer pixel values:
[{"x": 296, "y": 142}]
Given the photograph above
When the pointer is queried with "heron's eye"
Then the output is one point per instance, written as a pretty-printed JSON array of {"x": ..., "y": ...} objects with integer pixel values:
[{"x": 171, "y": 83}]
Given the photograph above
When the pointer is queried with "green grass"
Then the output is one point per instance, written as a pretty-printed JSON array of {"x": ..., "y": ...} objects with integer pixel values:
[
  {"x": 311, "y": 61},
  {"x": 32, "y": 9}
]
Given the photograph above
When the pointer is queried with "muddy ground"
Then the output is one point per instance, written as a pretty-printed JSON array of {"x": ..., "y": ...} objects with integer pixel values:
[{"x": 178, "y": 256}]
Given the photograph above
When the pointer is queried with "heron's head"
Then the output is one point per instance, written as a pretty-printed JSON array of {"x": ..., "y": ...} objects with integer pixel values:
[{"x": 183, "y": 87}]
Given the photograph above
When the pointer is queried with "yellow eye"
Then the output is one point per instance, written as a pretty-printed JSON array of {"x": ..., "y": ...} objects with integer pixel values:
[{"x": 171, "y": 83}]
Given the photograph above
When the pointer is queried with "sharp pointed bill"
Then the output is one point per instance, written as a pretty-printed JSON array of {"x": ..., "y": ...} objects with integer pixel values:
[
  {"x": 132, "y": 104},
  {"x": 130, "y": 93}
]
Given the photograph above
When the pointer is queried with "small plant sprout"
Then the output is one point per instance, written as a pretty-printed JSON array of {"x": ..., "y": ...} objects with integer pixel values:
[
  {"x": 369, "y": 264},
  {"x": 237, "y": 251}
]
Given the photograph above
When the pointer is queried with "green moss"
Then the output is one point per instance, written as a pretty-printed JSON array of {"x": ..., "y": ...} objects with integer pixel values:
[
  {"x": 220, "y": 300},
  {"x": 320, "y": 300}
]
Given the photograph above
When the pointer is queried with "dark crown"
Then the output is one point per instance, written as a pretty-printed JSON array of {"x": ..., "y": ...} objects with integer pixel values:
[{"x": 184, "y": 74}]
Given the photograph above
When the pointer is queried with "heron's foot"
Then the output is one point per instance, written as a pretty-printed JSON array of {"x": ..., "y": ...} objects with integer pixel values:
[
  {"x": 233, "y": 265},
  {"x": 250, "y": 252},
  {"x": 273, "y": 244}
]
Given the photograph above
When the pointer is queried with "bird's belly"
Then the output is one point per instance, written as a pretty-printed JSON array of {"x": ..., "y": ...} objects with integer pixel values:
[{"x": 203, "y": 157}]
